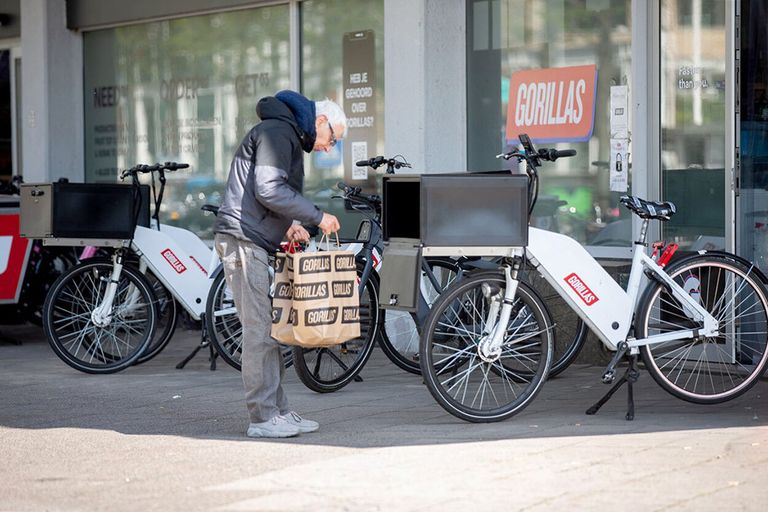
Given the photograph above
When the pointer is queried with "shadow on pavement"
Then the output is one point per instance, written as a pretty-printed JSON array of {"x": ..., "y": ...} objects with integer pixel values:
[{"x": 389, "y": 408}]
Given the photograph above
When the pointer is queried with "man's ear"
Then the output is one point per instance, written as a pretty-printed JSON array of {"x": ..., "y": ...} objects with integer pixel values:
[{"x": 322, "y": 118}]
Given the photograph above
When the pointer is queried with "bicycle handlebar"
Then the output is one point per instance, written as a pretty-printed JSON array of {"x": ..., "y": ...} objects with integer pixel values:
[
  {"x": 371, "y": 162},
  {"x": 542, "y": 154},
  {"x": 143, "y": 168},
  {"x": 377, "y": 161},
  {"x": 355, "y": 193}
]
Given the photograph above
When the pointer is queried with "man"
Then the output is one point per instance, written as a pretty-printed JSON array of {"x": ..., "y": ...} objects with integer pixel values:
[{"x": 262, "y": 201}]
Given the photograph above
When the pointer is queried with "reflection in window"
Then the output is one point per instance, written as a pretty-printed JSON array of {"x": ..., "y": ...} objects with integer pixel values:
[
  {"x": 182, "y": 90},
  {"x": 693, "y": 120},
  {"x": 345, "y": 37},
  {"x": 509, "y": 36}
]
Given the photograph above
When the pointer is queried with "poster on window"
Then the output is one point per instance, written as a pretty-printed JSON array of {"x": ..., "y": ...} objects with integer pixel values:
[
  {"x": 552, "y": 104},
  {"x": 359, "y": 68},
  {"x": 619, "y": 165}
]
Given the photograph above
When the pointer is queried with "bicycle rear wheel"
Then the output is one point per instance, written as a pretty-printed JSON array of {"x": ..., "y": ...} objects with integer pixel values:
[
  {"x": 74, "y": 336},
  {"x": 329, "y": 369},
  {"x": 166, "y": 319},
  {"x": 223, "y": 325},
  {"x": 707, "y": 370},
  {"x": 399, "y": 337},
  {"x": 570, "y": 331},
  {"x": 472, "y": 387}
]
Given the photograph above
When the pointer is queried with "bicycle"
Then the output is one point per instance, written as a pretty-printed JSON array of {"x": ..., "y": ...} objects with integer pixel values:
[
  {"x": 700, "y": 325},
  {"x": 399, "y": 337},
  {"x": 101, "y": 315},
  {"x": 43, "y": 265}
]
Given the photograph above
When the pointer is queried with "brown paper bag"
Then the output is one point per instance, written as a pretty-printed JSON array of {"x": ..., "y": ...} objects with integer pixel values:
[
  {"x": 325, "y": 298},
  {"x": 283, "y": 315}
]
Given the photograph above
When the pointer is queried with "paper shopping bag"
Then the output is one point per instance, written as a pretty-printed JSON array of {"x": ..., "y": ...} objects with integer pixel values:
[
  {"x": 325, "y": 298},
  {"x": 283, "y": 316}
]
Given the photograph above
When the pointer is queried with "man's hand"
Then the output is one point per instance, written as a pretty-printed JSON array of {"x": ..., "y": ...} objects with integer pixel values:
[
  {"x": 297, "y": 233},
  {"x": 329, "y": 224}
]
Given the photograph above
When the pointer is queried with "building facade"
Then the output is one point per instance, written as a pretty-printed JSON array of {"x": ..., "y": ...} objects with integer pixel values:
[{"x": 661, "y": 99}]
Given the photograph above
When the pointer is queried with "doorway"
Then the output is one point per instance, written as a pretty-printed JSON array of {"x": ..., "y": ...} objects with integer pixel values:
[
  {"x": 10, "y": 103},
  {"x": 752, "y": 201}
]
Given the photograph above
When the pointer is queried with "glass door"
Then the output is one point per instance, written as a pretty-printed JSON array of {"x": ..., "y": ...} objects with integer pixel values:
[
  {"x": 693, "y": 121},
  {"x": 6, "y": 116},
  {"x": 752, "y": 202}
]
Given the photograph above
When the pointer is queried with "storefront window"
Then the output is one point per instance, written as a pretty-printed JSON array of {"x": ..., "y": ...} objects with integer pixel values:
[
  {"x": 342, "y": 58},
  {"x": 753, "y": 198},
  {"x": 693, "y": 120},
  {"x": 182, "y": 90},
  {"x": 567, "y": 54}
]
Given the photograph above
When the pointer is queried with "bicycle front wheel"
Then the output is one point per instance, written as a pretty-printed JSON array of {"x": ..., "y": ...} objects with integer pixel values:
[
  {"x": 329, "y": 369},
  {"x": 480, "y": 388},
  {"x": 399, "y": 337},
  {"x": 707, "y": 370},
  {"x": 223, "y": 325},
  {"x": 71, "y": 331}
]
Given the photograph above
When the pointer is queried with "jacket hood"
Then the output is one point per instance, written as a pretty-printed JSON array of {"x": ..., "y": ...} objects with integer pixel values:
[{"x": 294, "y": 109}]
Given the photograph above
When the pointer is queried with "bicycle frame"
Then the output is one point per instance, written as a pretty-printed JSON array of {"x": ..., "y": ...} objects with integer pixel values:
[
  {"x": 175, "y": 256},
  {"x": 598, "y": 299},
  {"x": 181, "y": 261}
]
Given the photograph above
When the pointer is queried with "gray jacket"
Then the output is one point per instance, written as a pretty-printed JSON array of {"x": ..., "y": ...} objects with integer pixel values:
[{"x": 263, "y": 195}]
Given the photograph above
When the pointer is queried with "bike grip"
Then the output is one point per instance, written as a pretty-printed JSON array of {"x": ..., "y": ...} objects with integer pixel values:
[
  {"x": 558, "y": 153},
  {"x": 182, "y": 166},
  {"x": 363, "y": 163},
  {"x": 342, "y": 186}
]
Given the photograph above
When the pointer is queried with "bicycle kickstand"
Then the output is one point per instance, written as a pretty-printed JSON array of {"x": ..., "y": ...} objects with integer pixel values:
[
  {"x": 204, "y": 342},
  {"x": 630, "y": 377}
]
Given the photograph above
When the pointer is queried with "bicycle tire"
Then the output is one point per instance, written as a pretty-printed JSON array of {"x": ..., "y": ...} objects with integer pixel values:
[
  {"x": 69, "y": 327},
  {"x": 46, "y": 264},
  {"x": 340, "y": 370},
  {"x": 223, "y": 325},
  {"x": 734, "y": 360},
  {"x": 570, "y": 330},
  {"x": 531, "y": 323},
  {"x": 167, "y": 308},
  {"x": 399, "y": 335}
]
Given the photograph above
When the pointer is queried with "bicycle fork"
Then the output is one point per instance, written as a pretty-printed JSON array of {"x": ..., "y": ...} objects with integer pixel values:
[
  {"x": 101, "y": 316},
  {"x": 492, "y": 338}
]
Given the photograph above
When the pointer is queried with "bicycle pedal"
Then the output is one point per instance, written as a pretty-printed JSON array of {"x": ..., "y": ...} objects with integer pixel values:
[{"x": 608, "y": 377}]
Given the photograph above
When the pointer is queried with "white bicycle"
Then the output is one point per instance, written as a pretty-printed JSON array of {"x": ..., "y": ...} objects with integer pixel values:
[
  {"x": 700, "y": 323},
  {"x": 101, "y": 315}
]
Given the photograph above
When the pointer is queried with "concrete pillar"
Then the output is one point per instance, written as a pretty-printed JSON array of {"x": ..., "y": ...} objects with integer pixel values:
[
  {"x": 52, "y": 93},
  {"x": 425, "y": 83}
]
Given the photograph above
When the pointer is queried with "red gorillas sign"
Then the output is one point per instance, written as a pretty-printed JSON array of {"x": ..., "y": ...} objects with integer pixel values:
[
  {"x": 552, "y": 105},
  {"x": 174, "y": 261},
  {"x": 13, "y": 258},
  {"x": 581, "y": 289}
]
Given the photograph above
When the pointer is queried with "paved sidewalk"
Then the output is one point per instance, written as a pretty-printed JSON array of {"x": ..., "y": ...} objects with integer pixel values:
[{"x": 156, "y": 438}]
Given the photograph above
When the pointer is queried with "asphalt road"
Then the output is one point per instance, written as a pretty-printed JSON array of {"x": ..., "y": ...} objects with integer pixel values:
[{"x": 157, "y": 438}]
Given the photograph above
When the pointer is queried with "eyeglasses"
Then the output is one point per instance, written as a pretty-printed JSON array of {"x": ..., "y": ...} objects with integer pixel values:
[{"x": 333, "y": 135}]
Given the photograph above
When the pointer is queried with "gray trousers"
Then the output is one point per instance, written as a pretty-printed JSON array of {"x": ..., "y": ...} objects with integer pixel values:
[{"x": 247, "y": 272}]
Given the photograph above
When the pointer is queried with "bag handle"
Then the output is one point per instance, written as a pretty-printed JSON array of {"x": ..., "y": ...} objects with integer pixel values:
[{"x": 327, "y": 239}]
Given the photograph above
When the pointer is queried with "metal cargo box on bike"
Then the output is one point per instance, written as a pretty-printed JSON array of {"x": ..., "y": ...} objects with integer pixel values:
[
  {"x": 469, "y": 214},
  {"x": 65, "y": 213}
]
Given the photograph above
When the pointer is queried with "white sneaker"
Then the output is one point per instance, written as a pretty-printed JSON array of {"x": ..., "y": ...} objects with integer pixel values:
[
  {"x": 278, "y": 426},
  {"x": 304, "y": 426}
]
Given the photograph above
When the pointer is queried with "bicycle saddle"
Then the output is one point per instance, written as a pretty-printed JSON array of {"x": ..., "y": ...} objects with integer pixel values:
[
  {"x": 210, "y": 208},
  {"x": 649, "y": 209}
]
